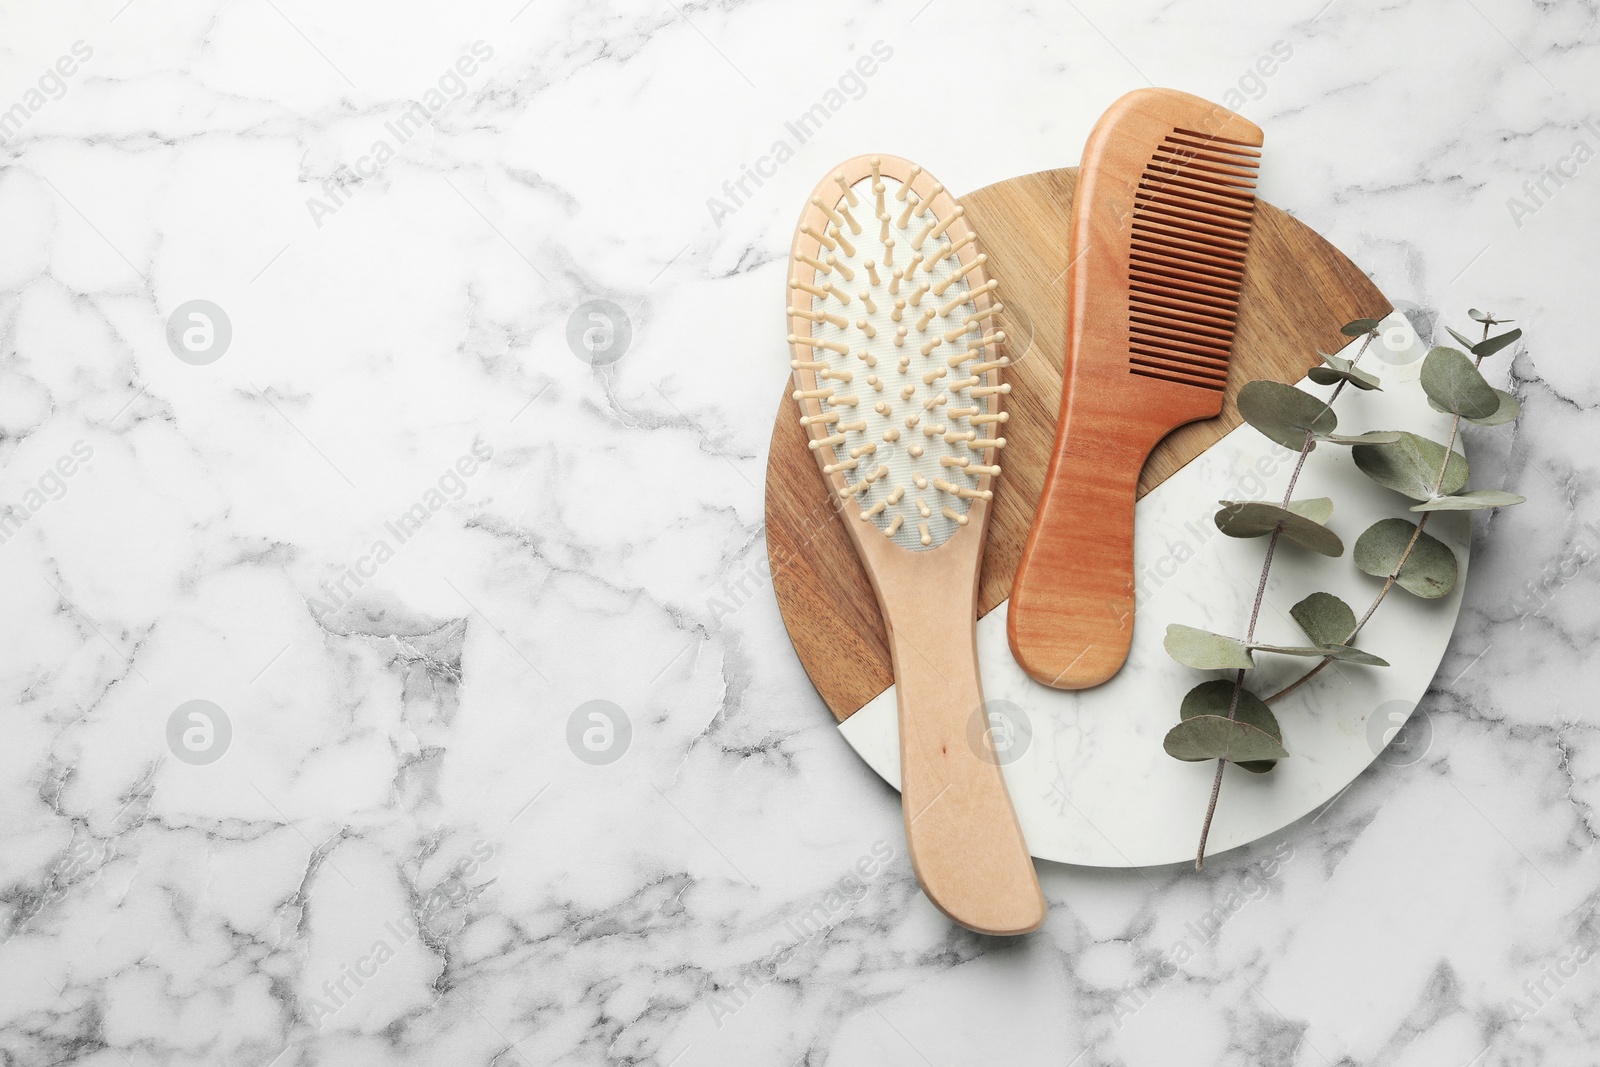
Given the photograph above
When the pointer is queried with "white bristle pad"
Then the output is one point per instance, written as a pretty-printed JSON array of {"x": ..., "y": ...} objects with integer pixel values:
[{"x": 903, "y": 469}]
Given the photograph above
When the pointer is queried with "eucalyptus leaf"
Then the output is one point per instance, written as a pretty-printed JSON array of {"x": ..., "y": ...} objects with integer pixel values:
[
  {"x": 1253, "y": 518},
  {"x": 1342, "y": 370},
  {"x": 1207, "y": 737},
  {"x": 1316, "y": 508},
  {"x": 1348, "y": 654},
  {"x": 1411, "y": 466},
  {"x": 1429, "y": 571},
  {"x": 1508, "y": 410},
  {"x": 1484, "y": 316},
  {"x": 1494, "y": 344},
  {"x": 1475, "y": 500},
  {"x": 1330, "y": 623},
  {"x": 1465, "y": 341},
  {"x": 1328, "y": 376},
  {"x": 1344, "y": 653},
  {"x": 1455, "y": 385},
  {"x": 1357, "y": 327},
  {"x": 1214, "y": 698},
  {"x": 1291, "y": 650},
  {"x": 1325, "y": 618},
  {"x": 1371, "y": 437},
  {"x": 1204, "y": 650},
  {"x": 1285, "y": 414}
]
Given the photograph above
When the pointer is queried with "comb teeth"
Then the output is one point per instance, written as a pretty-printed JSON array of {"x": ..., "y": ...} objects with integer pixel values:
[{"x": 1191, "y": 225}]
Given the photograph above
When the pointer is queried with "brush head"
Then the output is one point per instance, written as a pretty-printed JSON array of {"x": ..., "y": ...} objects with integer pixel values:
[{"x": 895, "y": 348}]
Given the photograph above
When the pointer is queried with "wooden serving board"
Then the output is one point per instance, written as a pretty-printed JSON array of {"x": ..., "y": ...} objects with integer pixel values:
[{"x": 1298, "y": 290}]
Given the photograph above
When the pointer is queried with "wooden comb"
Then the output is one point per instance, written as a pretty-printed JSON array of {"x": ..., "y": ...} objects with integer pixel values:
[{"x": 1159, "y": 232}]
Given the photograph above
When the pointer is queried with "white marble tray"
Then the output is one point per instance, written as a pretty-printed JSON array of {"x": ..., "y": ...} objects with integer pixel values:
[{"x": 1087, "y": 773}]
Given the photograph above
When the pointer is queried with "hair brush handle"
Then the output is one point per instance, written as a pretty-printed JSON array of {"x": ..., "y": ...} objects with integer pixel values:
[
  {"x": 904, "y": 426},
  {"x": 962, "y": 834}
]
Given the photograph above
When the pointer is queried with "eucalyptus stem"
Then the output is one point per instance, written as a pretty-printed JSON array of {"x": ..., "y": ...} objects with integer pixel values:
[
  {"x": 1388, "y": 584},
  {"x": 1216, "y": 783},
  {"x": 1394, "y": 575},
  {"x": 1238, "y": 678},
  {"x": 1255, "y": 610}
]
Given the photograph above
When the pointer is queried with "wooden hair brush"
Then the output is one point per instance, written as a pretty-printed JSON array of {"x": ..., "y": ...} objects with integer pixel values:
[
  {"x": 896, "y": 363},
  {"x": 1160, "y": 226}
]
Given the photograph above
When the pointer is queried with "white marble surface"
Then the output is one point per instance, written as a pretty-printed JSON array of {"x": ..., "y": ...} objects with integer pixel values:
[{"x": 398, "y": 770}]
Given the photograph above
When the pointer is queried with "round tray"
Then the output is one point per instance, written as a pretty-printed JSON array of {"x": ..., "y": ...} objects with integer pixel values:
[{"x": 1086, "y": 770}]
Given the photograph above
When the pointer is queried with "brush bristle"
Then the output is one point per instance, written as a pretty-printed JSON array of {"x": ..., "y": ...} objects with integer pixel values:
[
  {"x": 897, "y": 356},
  {"x": 1191, "y": 224}
]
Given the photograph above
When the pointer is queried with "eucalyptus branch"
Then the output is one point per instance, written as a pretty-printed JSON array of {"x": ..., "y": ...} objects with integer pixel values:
[
  {"x": 1261, "y": 592},
  {"x": 1394, "y": 574},
  {"x": 1222, "y": 719}
]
